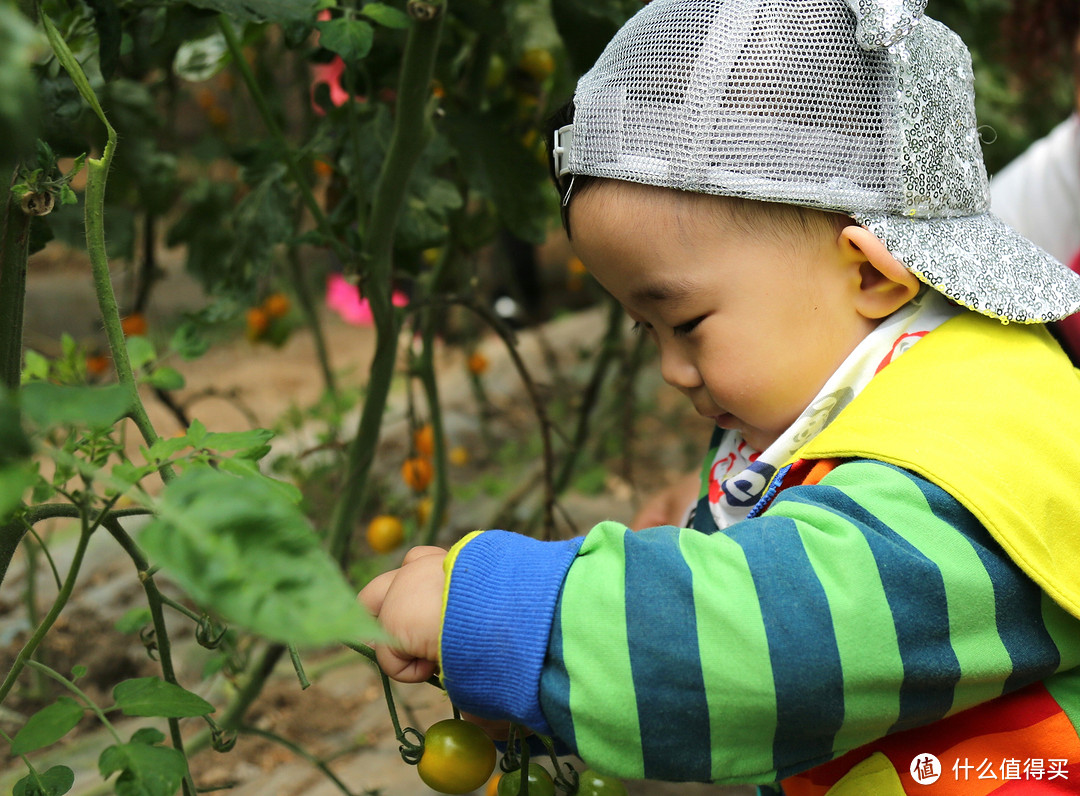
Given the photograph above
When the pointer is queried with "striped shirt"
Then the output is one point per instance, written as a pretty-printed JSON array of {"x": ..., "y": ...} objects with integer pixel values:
[{"x": 866, "y": 605}]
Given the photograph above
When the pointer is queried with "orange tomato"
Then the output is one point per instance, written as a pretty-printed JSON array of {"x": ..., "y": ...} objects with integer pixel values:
[
  {"x": 423, "y": 439},
  {"x": 478, "y": 363},
  {"x": 385, "y": 533},
  {"x": 417, "y": 473},
  {"x": 322, "y": 168},
  {"x": 492, "y": 788},
  {"x": 257, "y": 323},
  {"x": 96, "y": 364},
  {"x": 276, "y": 304},
  {"x": 134, "y": 324}
]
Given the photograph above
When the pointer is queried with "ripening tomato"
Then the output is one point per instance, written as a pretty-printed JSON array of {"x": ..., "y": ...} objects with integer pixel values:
[
  {"x": 385, "y": 533},
  {"x": 459, "y": 455},
  {"x": 276, "y": 305},
  {"x": 458, "y": 757},
  {"x": 478, "y": 363},
  {"x": 134, "y": 324},
  {"x": 540, "y": 782},
  {"x": 97, "y": 364},
  {"x": 492, "y": 787},
  {"x": 593, "y": 783},
  {"x": 257, "y": 323},
  {"x": 423, "y": 440},
  {"x": 417, "y": 473}
]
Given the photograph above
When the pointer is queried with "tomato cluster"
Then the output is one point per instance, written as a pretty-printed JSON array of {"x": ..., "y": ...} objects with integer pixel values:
[{"x": 458, "y": 757}]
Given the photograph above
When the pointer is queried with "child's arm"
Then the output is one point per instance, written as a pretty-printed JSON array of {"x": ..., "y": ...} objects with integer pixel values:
[{"x": 870, "y": 603}]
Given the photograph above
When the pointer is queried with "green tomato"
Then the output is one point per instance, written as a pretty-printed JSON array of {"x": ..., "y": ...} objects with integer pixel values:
[
  {"x": 458, "y": 757},
  {"x": 592, "y": 783},
  {"x": 539, "y": 782}
]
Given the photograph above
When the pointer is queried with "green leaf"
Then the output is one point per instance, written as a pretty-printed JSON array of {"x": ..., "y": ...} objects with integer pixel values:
[
  {"x": 133, "y": 620},
  {"x": 146, "y": 769},
  {"x": 140, "y": 351},
  {"x": 251, "y": 444},
  {"x": 152, "y": 696},
  {"x": 349, "y": 38},
  {"x": 260, "y": 10},
  {"x": 35, "y": 366},
  {"x": 54, "y": 782},
  {"x": 14, "y": 444},
  {"x": 189, "y": 342},
  {"x": 385, "y": 15},
  {"x": 14, "y": 481},
  {"x": 239, "y": 546},
  {"x": 49, "y": 405},
  {"x": 166, "y": 379},
  {"x": 47, "y": 726}
]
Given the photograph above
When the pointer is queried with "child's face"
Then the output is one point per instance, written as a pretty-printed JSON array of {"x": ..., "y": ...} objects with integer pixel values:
[{"x": 749, "y": 326}]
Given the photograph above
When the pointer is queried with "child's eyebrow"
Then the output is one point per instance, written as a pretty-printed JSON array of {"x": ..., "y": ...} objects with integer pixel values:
[{"x": 667, "y": 290}]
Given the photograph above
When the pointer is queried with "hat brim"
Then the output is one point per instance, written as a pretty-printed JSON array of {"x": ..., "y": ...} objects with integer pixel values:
[{"x": 982, "y": 263}]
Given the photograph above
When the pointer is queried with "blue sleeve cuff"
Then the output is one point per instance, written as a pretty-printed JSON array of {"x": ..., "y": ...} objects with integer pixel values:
[{"x": 499, "y": 608}]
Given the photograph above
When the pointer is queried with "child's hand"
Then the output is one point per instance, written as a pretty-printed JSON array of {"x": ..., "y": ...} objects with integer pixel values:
[{"x": 408, "y": 604}]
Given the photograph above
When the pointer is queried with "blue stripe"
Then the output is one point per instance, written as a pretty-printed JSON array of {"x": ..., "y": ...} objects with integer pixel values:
[
  {"x": 555, "y": 685},
  {"x": 915, "y": 590},
  {"x": 661, "y": 623},
  {"x": 807, "y": 675},
  {"x": 1017, "y": 599}
]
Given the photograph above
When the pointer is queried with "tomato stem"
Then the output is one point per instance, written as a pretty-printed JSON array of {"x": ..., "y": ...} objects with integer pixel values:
[{"x": 411, "y": 133}]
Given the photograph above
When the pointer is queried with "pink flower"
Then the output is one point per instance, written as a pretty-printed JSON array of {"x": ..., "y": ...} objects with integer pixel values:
[{"x": 344, "y": 299}]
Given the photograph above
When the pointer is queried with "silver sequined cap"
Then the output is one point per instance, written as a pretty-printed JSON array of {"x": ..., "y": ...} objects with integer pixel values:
[{"x": 861, "y": 106}]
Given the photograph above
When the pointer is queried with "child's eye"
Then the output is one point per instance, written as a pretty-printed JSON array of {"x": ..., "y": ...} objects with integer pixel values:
[{"x": 685, "y": 328}]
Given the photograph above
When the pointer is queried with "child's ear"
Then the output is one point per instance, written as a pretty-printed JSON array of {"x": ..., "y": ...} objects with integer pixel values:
[{"x": 884, "y": 284}]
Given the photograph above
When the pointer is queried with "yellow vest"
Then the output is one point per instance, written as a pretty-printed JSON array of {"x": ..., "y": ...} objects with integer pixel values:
[{"x": 990, "y": 413}]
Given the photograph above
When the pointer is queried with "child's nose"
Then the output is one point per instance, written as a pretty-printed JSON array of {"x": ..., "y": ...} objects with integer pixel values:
[{"x": 677, "y": 369}]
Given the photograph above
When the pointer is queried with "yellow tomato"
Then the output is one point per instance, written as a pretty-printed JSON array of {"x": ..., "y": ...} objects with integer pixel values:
[{"x": 385, "y": 533}]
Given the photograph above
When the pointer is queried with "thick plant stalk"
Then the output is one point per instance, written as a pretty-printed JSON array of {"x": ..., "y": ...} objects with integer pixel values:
[
  {"x": 97, "y": 171},
  {"x": 14, "y": 247},
  {"x": 412, "y": 131}
]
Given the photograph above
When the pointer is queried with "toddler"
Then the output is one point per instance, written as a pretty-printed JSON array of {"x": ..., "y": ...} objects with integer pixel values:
[{"x": 879, "y": 587}]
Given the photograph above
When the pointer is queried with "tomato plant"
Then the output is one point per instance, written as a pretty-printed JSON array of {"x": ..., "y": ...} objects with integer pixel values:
[{"x": 458, "y": 757}]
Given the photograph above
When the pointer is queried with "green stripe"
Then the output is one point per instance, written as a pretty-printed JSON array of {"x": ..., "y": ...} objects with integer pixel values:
[
  {"x": 862, "y": 621},
  {"x": 734, "y": 656},
  {"x": 1062, "y": 627},
  {"x": 601, "y": 681},
  {"x": 1065, "y": 689},
  {"x": 969, "y": 591}
]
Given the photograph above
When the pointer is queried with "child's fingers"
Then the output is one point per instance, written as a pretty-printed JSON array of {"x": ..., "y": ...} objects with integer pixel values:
[
  {"x": 403, "y": 667},
  {"x": 373, "y": 595},
  {"x": 420, "y": 552}
]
